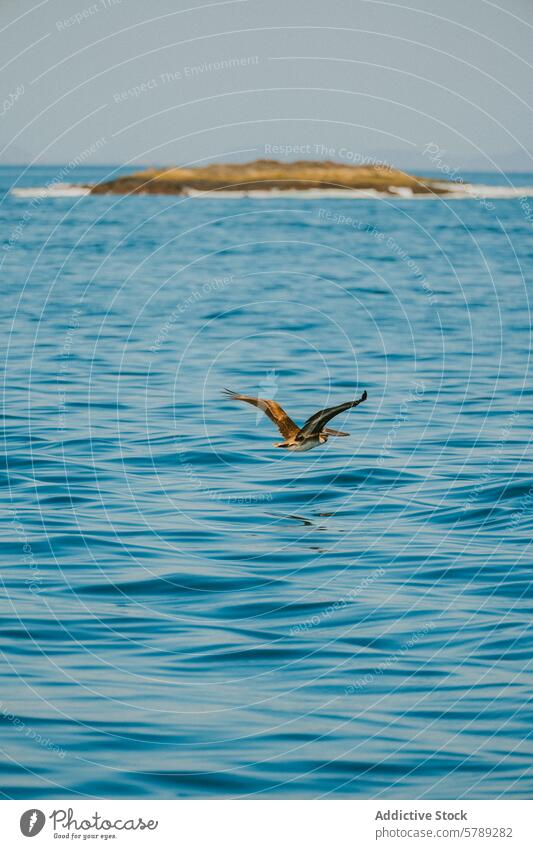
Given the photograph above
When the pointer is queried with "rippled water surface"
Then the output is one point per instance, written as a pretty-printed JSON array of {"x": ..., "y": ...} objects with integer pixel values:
[{"x": 188, "y": 611}]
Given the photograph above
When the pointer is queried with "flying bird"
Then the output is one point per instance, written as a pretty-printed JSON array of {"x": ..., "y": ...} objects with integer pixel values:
[{"x": 311, "y": 434}]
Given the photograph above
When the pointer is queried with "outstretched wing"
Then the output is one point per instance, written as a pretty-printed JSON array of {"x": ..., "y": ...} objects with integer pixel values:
[
  {"x": 275, "y": 413},
  {"x": 316, "y": 423}
]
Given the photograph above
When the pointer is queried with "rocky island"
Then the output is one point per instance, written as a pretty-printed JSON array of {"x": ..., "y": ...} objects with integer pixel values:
[{"x": 269, "y": 175}]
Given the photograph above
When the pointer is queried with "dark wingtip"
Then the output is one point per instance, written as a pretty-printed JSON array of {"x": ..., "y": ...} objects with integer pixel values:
[
  {"x": 228, "y": 392},
  {"x": 364, "y": 396}
]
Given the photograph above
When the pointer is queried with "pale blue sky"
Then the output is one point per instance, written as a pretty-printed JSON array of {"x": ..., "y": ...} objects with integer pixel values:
[{"x": 187, "y": 81}]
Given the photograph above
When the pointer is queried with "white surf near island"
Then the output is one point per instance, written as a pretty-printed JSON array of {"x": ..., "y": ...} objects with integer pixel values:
[{"x": 463, "y": 191}]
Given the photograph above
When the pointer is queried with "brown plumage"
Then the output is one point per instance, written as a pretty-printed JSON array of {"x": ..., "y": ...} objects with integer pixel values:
[
  {"x": 312, "y": 433},
  {"x": 275, "y": 413}
]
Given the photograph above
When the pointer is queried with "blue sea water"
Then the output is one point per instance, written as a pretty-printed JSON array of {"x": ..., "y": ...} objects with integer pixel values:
[{"x": 188, "y": 611}]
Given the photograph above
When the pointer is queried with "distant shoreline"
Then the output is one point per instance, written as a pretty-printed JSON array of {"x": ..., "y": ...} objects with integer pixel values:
[
  {"x": 270, "y": 175},
  {"x": 267, "y": 178}
]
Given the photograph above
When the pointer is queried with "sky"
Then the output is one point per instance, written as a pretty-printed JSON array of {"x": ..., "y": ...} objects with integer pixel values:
[{"x": 425, "y": 84}]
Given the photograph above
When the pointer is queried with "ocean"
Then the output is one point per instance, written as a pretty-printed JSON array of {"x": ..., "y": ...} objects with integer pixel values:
[{"x": 188, "y": 611}]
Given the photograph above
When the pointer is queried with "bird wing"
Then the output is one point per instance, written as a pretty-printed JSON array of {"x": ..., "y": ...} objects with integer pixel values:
[
  {"x": 316, "y": 423},
  {"x": 275, "y": 413}
]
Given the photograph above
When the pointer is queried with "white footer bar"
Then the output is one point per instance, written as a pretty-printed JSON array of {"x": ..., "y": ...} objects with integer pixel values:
[{"x": 268, "y": 824}]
